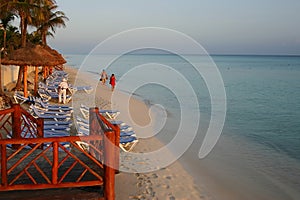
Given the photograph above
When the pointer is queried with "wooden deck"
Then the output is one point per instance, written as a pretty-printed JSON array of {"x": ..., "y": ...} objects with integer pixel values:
[{"x": 84, "y": 193}]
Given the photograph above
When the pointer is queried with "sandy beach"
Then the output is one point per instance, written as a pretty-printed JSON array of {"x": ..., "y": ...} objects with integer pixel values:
[
  {"x": 140, "y": 177},
  {"x": 171, "y": 182}
]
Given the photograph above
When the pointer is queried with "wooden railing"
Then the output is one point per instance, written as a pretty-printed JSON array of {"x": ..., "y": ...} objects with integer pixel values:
[
  {"x": 97, "y": 123},
  {"x": 61, "y": 164},
  {"x": 16, "y": 122},
  {"x": 36, "y": 162}
]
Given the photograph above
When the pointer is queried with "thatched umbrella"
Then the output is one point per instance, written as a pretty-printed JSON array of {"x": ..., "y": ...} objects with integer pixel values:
[{"x": 34, "y": 55}]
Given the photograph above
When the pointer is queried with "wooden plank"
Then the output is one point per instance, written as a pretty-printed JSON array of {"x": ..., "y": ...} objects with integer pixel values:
[
  {"x": 49, "y": 186},
  {"x": 51, "y": 139}
]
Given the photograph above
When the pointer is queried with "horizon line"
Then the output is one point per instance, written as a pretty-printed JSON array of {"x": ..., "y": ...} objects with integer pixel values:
[{"x": 192, "y": 54}]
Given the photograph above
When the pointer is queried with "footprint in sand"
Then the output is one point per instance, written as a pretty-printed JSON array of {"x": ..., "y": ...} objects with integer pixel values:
[
  {"x": 149, "y": 190},
  {"x": 172, "y": 198},
  {"x": 165, "y": 186},
  {"x": 154, "y": 176}
]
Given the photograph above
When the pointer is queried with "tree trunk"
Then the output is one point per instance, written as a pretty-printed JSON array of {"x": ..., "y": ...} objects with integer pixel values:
[
  {"x": 20, "y": 75},
  {"x": 44, "y": 38},
  {"x": 4, "y": 38},
  {"x": 23, "y": 29}
]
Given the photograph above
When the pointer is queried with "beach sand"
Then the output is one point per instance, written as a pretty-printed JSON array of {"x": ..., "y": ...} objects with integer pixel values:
[
  {"x": 139, "y": 177},
  {"x": 170, "y": 182}
]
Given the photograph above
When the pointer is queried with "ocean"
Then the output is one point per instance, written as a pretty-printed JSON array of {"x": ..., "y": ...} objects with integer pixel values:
[{"x": 257, "y": 155}]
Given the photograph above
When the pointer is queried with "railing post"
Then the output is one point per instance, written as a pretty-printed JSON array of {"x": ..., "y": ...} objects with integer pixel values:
[
  {"x": 93, "y": 126},
  {"x": 40, "y": 128},
  {"x": 3, "y": 166},
  {"x": 109, "y": 165},
  {"x": 55, "y": 163},
  {"x": 93, "y": 120},
  {"x": 117, "y": 148},
  {"x": 16, "y": 121},
  {"x": 109, "y": 152}
]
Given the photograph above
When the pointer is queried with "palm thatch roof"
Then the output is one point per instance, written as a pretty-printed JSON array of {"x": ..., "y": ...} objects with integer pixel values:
[{"x": 34, "y": 55}]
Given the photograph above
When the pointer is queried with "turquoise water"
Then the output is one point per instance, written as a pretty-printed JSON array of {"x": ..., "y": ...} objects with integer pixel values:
[
  {"x": 264, "y": 100},
  {"x": 258, "y": 154}
]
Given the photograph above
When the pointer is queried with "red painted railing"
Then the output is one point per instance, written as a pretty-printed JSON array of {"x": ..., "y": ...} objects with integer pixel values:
[
  {"x": 58, "y": 162},
  {"x": 61, "y": 164},
  {"x": 16, "y": 122}
]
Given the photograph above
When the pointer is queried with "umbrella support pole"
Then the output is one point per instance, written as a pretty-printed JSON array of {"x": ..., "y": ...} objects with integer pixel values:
[{"x": 25, "y": 81}]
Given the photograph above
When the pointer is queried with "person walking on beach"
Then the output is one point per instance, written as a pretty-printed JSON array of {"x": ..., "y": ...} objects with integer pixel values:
[
  {"x": 62, "y": 91},
  {"x": 112, "y": 82},
  {"x": 103, "y": 77}
]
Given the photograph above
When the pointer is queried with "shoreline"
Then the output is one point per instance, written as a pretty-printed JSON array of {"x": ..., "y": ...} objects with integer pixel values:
[
  {"x": 171, "y": 182},
  {"x": 215, "y": 177}
]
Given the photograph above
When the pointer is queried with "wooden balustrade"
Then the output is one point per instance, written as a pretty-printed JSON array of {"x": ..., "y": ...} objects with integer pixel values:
[{"x": 36, "y": 162}]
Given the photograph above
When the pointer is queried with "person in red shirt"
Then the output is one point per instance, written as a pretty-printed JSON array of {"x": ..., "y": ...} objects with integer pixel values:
[{"x": 112, "y": 82}]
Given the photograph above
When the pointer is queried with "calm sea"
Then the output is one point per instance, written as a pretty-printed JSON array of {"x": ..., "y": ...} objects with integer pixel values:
[{"x": 258, "y": 153}]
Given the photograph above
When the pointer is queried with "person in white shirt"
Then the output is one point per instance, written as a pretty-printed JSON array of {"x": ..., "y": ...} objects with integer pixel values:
[
  {"x": 62, "y": 91},
  {"x": 103, "y": 77}
]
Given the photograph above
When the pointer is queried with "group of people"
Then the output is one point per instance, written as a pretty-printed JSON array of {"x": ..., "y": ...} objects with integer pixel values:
[{"x": 112, "y": 79}]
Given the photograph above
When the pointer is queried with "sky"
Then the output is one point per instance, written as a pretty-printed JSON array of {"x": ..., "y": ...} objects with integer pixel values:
[{"x": 260, "y": 27}]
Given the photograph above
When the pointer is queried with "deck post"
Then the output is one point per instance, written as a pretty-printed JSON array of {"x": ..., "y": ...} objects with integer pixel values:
[
  {"x": 16, "y": 121},
  {"x": 3, "y": 166},
  {"x": 40, "y": 127},
  {"x": 55, "y": 163},
  {"x": 109, "y": 151},
  {"x": 93, "y": 125},
  {"x": 109, "y": 165},
  {"x": 117, "y": 148}
]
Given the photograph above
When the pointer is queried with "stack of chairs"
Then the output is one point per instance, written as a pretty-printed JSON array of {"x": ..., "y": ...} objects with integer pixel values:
[
  {"x": 128, "y": 138},
  {"x": 19, "y": 98},
  {"x": 57, "y": 120},
  {"x": 87, "y": 89},
  {"x": 48, "y": 89}
]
